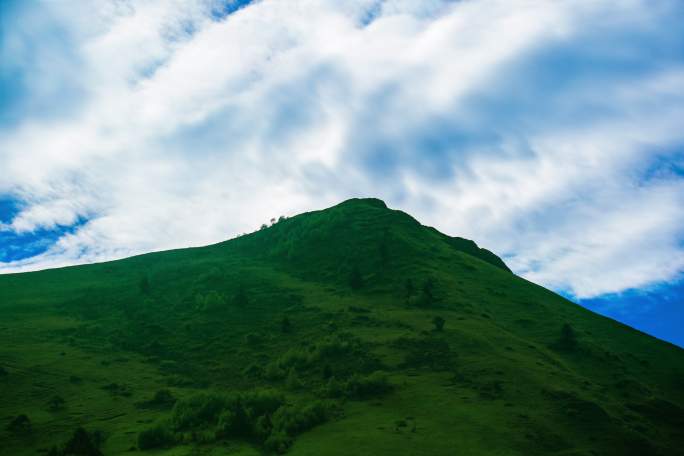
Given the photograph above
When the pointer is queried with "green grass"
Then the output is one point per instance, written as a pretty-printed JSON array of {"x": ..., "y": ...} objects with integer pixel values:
[{"x": 496, "y": 380}]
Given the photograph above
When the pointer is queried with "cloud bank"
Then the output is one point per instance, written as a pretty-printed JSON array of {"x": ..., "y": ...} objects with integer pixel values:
[{"x": 548, "y": 131}]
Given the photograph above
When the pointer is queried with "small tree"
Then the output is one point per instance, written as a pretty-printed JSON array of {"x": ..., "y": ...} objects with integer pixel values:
[
  {"x": 568, "y": 338},
  {"x": 439, "y": 323},
  {"x": 355, "y": 279}
]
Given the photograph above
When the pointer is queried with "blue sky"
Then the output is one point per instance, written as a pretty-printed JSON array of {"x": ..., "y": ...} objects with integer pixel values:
[{"x": 548, "y": 131}]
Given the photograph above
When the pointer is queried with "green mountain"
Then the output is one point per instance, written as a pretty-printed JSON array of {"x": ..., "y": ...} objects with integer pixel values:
[{"x": 349, "y": 331}]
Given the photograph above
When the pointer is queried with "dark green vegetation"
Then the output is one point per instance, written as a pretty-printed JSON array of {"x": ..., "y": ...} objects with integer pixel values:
[{"x": 353, "y": 330}]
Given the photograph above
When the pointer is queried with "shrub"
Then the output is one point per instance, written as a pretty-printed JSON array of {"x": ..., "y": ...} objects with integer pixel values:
[
  {"x": 334, "y": 388},
  {"x": 81, "y": 443},
  {"x": 158, "y": 436},
  {"x": 294, "y": 358},
  {"x": 332, "y": 347},
  {"x": 293, "y": 420},
  {"x": 19, "y": 425},
  {"x": 426, "y": 298},
  {"x": 253, "y": 370},
  {"x": 365, "y": 386},
  {"x": 211, "y": 302},
  {"x": 259, "y": 403},
  {"x": 56, "y": 403},
  {"x": 274, "y": 372},
  {"x": 568, "y": 339},
  {"x": 236, "y": 415},
  {"x": 262, "y": 427},
  {"x": 293, "y": 382},
  {"x": 260, "y": 416},
  {"x": 257, "y": 407},
  {"x": 343, "y": 351},
  {"x": 97, "y": 437},
  {"x": 196, "y": 411},
  {"x": 278, "y": 442},
  {"x": 162, "y": 399},
  {"x": 439, "y": 323},
  {"x": 232, "y": 423}
]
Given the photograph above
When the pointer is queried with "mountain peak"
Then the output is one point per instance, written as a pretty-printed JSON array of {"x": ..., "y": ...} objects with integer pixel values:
[
  {"x": 374, "y": 202},
  {"x": 359, "y": 232}
]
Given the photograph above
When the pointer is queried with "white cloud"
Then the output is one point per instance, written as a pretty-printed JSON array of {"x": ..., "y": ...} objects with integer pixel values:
[{"x": 191, "y": 130}]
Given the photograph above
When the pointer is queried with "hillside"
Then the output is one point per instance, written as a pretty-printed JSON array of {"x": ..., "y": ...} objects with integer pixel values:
[{"x": 351, "y": 330}]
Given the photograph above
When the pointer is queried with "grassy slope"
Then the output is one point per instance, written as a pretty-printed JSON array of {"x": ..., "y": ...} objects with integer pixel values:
[{"x": 499, "y": 387}]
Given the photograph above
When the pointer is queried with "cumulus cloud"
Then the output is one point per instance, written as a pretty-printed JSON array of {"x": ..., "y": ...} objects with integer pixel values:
[{"x": 548, "y": 131}]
